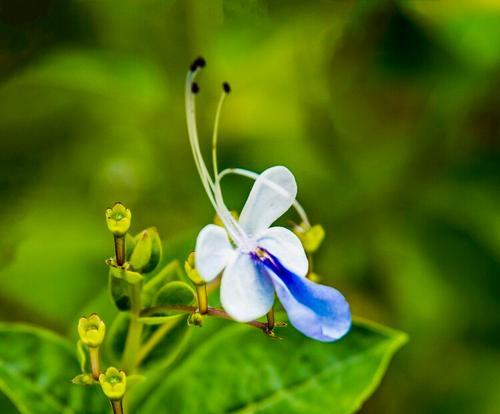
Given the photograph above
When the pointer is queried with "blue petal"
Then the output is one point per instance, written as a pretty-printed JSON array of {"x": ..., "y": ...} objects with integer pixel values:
[{"x": 319, "y": 312}]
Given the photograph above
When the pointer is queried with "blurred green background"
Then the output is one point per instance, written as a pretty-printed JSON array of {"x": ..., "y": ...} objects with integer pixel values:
[{"x": 387, "y": 112}]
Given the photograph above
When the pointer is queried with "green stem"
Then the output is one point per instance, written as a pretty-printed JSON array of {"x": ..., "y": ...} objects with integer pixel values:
[
  {"x": 201, "y": 293},
  {"x": 117, "y": 406},
  {"x": 154, "y": 340},
  {"x": 133, "y": 342},
  {"x": 120, "y": 250},
  {"x": 271, "y": 323},
  {"x": 217, "y": 313},
  {"x": 94, "y": 363}
]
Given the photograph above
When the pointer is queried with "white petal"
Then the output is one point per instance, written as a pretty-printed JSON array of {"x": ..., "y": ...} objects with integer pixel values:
[
  {"x": 246, "y": 290},
  {"x": 213, "y": 251},
  {"x": 272, "y": 195},
  {"x": 286, "y": 247}
]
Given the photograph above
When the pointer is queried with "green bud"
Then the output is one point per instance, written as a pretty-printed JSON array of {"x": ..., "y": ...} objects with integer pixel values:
[
  {"x": 147, "y": 251},
  {"x": 91, "y": 330},
  {"x": 311, "y": 238},
  {"x": 193, "y": 274},
  {"x": 195, "y": 319},
  {"x": 118, "y": 219},
  {"x": 83, "y": 379},
  {"x": 113, "y": 383}
]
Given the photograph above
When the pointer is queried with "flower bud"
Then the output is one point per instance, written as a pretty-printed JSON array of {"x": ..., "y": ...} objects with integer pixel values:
[
  {"x": 113, "y": 383},
  {"x": 91, "y": 330},
  {"x": 311, "y": 238},
  {"x": 314, "y": 277},
  {"x": 83, "y": 379},
  {"x": 195, "y": 319},
  {"x": 147, "y": 251},
  {"x": 118, "y": 219},
  {"x": 219, "y": 222},
  {"x": 193, "y": 274}
]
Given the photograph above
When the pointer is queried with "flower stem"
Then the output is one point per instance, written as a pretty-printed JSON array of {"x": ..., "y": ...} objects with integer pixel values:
[
  {"x": 271, "y": 323},
  {"x": 94, "y": 362},
  {"x": 133, "y": 342},
  {"x": 201, "y": 293},
  {"x": 217, "y": 313},
  {"x": 120, "y": 250},
  {"x": 154, "y": 340},
  {"x": 117, "y": 406}
]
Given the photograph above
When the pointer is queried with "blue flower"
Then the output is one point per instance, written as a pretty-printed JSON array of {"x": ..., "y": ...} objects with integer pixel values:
[{"x": 258, "y": 261}]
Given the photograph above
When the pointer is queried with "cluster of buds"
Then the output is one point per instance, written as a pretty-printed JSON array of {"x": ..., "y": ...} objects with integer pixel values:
[{"x": 92, "y": 331}]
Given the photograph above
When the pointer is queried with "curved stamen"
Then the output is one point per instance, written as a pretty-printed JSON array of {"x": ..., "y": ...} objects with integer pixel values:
[
  {"x": 235, "y": 232},
  {"x": 253, "y": 175}
]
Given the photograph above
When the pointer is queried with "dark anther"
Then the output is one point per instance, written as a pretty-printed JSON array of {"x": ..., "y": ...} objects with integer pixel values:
[
  {"x": 199, "y": 62},
  {"x": 226, "y": 87},
  {"x": 195, "y": 88}
]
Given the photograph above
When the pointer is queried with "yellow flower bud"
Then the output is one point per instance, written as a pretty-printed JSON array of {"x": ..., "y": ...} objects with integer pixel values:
[
  {"x": 219, "y": 222},
  {"x": 311, "y": 238},
  {"x": 195, "y": 319},
  {"x": 118, "y": 219},
  {"x": 193, "y": 274},
  {"x": 113, "y": 383},
  {"x": 91, "y": 330}
]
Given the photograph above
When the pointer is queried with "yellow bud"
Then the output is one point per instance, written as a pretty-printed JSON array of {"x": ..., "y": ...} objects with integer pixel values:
[
  {"x": 314, "y": 277},
  {"x": 193, "y": 274},
  {"x": 147, "y": 251},
  {"x": 83, "y": 379},
  {"x": 118, "y": 219},
  {"x": 91, "y": 330},
  {"x": 311, "y": 238},
  {"x": 219, "y": 222},
  {"x": 195, "y": 319},
  {"x": 113, "y": 383}
]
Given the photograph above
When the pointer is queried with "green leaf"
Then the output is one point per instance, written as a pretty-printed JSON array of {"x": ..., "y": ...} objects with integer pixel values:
[
  {"x": 36, "y": 368},
  {"x": 170, "y": 272},
  {"x": 239, "y": 370},
  {"x": 116, "y": 337},
  {"x": 174, "y": 293}
]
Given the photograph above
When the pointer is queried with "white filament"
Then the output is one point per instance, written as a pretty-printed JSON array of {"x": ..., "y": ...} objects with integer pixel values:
[{"x": 234, "y": 230}]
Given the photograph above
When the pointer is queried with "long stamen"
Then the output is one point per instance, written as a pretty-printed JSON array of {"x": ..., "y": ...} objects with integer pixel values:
[
  {"x": 250, "y": 174},
  {"x": 191, "y": 89},
  {"x": 226, "y": 89}
]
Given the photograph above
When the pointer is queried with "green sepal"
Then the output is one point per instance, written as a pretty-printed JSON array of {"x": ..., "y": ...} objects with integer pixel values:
[
  {"x": 156, "y": 251},
  {"x": 142, "y": 250},
  {"x": 120, "y": 293},
  {"x": 84, "y": 379},
  {"x": 129, "y": 245},
  {"x": 81, "y": 355},
  {"x": 119, "y": 286},
  {"x": 128, "y": 276}
]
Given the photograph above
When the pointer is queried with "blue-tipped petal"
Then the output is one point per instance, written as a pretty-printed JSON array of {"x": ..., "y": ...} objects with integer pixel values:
[{"x": 319, "y": 312}]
